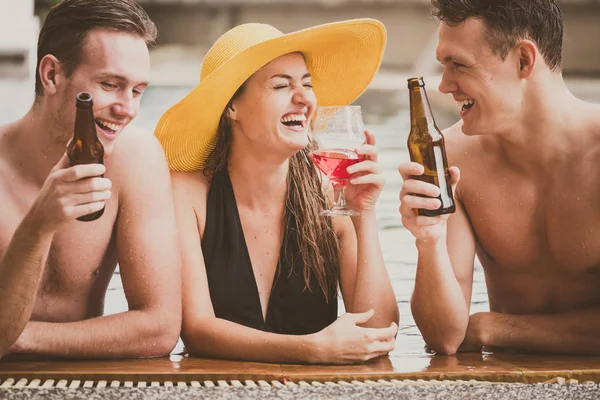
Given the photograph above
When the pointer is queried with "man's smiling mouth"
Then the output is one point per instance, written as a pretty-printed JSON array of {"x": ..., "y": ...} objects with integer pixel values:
[{"x": 465, "y": 104}]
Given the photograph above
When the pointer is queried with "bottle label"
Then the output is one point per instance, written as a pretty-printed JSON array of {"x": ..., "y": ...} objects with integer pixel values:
[{"x": 441, "y": 175}]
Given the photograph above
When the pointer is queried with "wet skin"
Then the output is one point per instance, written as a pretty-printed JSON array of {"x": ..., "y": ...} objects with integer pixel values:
[
  {"x": 527, "y": 205},
  {"x": 137, "y": 229}
]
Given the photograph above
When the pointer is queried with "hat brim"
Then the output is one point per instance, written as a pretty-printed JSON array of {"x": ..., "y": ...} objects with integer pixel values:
[{"x": 342, "y": 58}]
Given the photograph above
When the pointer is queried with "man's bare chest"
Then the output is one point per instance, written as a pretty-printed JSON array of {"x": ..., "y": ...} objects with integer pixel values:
[
  {"x": 80, "y": 254},
  {"x": 521, "y": 226}
]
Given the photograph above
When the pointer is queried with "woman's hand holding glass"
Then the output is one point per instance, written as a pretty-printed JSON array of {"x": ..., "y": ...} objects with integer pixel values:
[
  {"x": 366, "y": 182},
  {"x": 348, "y": 157}
]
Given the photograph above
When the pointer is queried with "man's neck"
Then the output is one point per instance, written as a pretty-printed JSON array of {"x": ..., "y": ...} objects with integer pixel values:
[
  {"x": 551, "y": 127},
  {"x": 38, "y": 144}
]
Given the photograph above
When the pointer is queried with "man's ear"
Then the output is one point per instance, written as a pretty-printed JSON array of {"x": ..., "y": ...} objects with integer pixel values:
[
  {"x": 527, "y": 53},
  {"x": 50, "y": 73}
]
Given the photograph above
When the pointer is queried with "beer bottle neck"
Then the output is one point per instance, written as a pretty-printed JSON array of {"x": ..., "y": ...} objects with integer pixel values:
[
  {"x": 85, "y": 126},
  {"x": 421, "y": 116}
]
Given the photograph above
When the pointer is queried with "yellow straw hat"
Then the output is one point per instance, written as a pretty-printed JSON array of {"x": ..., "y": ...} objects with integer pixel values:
[{"x": 342, "y": 58}]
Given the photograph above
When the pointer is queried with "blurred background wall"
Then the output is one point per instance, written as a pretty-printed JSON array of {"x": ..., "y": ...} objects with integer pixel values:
[
  {"x": 187, "y": 28},
  {"x": 410, "y": 29}
]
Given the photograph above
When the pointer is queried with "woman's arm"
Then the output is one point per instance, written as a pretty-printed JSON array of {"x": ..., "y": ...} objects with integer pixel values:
[
  {"x": 206, "y": 335},
  {"x": 365, "y": 282}
]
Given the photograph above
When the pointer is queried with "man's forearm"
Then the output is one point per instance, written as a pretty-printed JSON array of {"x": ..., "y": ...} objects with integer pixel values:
[
  {"x": 572, "y": 332},
  {"x": 438, "y": 303},
  {"x": 373, "y": 289},
  {"x": 21, "y": 269},
  {"x": 131, "y": 334}
]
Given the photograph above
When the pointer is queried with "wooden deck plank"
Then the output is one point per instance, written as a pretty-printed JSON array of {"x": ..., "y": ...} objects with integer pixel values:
[
  {"x": 185, "y": 369},
  {"x": 465, "y": 367}
]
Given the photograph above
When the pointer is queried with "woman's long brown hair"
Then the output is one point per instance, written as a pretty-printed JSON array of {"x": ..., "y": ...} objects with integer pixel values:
[{"x": 306, "y": 230}]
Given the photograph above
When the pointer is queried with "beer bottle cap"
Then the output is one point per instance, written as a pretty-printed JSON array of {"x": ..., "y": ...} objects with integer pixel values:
[
  {"x": 414, "y": 82},
  {"x": 84, "y": 99}
]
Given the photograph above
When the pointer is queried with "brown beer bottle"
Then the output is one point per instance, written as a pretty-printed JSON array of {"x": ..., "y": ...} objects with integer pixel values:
[
  {"x": 85, "y": 147},
  {"x": 426, "y": 147}
]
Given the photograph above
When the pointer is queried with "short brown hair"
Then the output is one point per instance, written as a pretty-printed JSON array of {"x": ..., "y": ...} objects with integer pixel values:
[
  {"x": 67, "y": 24},
  {"x": 509, "y": 21}
]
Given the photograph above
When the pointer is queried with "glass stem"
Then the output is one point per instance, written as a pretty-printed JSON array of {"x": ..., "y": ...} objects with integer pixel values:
[{"x": 339, "y": 201}]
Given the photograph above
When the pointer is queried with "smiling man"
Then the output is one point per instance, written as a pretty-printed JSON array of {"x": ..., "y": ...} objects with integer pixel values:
[
  {"x": 526, "y": 153},
  {"x": 55, "y": 270}
]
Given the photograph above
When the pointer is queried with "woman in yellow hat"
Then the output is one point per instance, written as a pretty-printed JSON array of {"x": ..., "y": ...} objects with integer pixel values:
[{"x": 261, "y": 266}]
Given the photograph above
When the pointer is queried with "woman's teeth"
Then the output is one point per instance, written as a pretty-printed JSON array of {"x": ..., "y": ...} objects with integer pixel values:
[{"x": 293, "y": 118}]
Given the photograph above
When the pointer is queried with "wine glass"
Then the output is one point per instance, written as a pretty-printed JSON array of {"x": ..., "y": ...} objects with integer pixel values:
[{"x": 339, "y": 131}]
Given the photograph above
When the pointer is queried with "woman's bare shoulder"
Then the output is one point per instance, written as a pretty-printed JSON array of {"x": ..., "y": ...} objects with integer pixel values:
[{"x": 190, "y": 187}]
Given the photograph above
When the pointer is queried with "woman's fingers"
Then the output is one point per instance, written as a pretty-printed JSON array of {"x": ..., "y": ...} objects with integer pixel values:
[
  {"x": 369, "y": 137},
  {"x": 365, "y": 166},
  {"x": 382, "y": 334},
  {"x": 368, "y": 151},
  {"x": 370, "y": 179}
]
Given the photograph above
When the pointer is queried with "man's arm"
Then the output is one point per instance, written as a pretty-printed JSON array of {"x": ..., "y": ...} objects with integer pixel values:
[
  {"x": 572, "y": 332},
  {"x": 21, "y": 269},
  {"x": 59, "y": 201},
  {"x": 446, "y": 244},
  {"x": 149, "y": 261}
]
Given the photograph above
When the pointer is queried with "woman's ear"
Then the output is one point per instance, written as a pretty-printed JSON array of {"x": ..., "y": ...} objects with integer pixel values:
[
  {"x": 231, "y": 112},
  {"x": 527, "y": 53},
  {"x": 50, "y": 73}
]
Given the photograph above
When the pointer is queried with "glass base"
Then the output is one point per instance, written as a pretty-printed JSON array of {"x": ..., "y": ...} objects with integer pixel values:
[{"x": 339, "y": 211}]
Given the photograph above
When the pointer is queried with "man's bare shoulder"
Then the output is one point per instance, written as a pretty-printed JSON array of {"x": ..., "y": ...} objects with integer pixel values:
[
  {"x": 137, "y": 144},
  {"x": 137, "y": 163},
  {"x": 4, "y": 128},
  {"x": 6, "y": 131},
  {"x": 460, "y": 148},
  {"x": 591, "y": 130},
  {"x": 593, "y": 121}
]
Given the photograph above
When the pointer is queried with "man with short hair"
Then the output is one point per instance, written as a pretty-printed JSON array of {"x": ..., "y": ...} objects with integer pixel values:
[
  {"x": 55, "y": 270},
  {"x": 527, "y": 201}
]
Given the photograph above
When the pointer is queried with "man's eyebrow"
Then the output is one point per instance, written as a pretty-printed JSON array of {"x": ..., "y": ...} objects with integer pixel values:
[
  {"x": 451, "y": 58},
  {"x": 307, "y": 75},
  {"x": 109, "y": 75}
]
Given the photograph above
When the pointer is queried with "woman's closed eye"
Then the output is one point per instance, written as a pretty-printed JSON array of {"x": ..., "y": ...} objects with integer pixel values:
[{"x": 307, "y": 85}]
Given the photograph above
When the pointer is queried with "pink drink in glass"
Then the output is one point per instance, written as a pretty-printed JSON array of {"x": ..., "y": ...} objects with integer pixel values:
[{"x": 333, "y": 163}]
